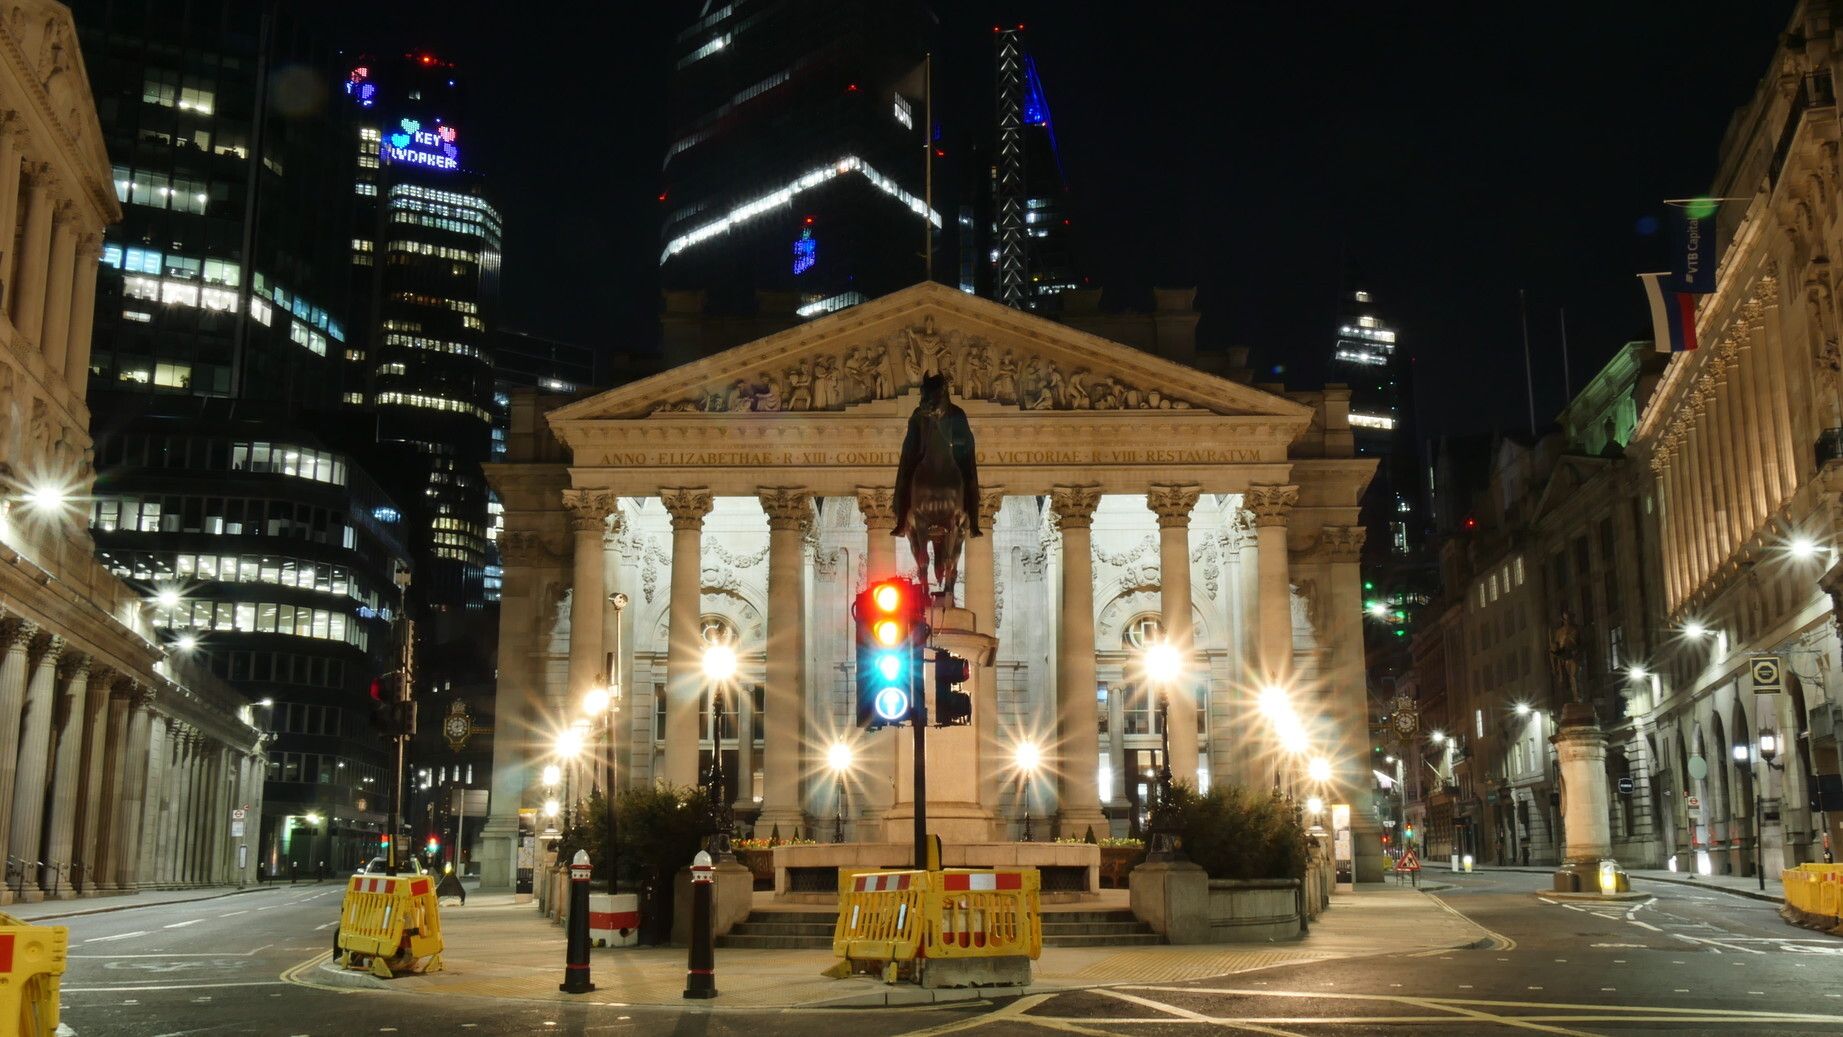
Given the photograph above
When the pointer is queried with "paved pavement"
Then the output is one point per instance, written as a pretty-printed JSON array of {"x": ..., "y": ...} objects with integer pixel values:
[{"x": 1487, "y": 956}]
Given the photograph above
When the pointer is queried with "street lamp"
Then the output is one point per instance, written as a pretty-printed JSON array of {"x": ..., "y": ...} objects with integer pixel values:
[
  {"x": 1768, "y": 750},
  {"x": 719, "y": 665},
  {"x": 1028, "y": 758},
  {"x": 838, "y": 757},
  {"x": 1163, "y": 665},
  {"x": 1318, "y": 769},
  {"x": 569, "y": 746}
]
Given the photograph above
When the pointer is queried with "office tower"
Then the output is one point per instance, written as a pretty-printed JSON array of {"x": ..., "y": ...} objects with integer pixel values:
[{"x": 1030, "y": 226}]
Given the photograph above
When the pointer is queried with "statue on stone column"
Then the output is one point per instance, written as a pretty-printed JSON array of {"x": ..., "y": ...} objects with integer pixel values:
[
  {"x": 1565, "y": 656},
  {"x": 937, "y": 483}
]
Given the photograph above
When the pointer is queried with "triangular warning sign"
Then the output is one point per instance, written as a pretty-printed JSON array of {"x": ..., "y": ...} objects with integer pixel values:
[{"x": 1408, "y": 861}]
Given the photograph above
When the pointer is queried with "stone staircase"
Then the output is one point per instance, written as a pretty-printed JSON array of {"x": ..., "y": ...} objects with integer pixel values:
[{"x": 812, "y": 930}]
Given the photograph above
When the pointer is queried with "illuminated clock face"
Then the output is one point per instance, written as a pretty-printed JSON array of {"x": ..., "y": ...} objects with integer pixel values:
[
  {"x": 1406, "y": 723},
  {"x": 455, "y": 726}
]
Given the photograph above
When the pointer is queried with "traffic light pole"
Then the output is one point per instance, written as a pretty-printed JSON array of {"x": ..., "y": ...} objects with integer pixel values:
[{"x": 918, "y": 713}]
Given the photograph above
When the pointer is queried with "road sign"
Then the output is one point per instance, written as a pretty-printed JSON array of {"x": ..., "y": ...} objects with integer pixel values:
[
  {"x": 236, "y": 829},
  {"x": 1767, "y": 677},
  {"x": 1693, "y": 802},
  {"x": 1409, "y": 861},
  {"x": 238, "y": 814},
  {"x": 1625, "y": 786}
]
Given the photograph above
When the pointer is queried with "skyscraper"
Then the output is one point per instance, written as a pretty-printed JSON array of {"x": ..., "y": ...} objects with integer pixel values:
[
  {"x": 796, "y": 159},
  {"x": 1031, "y": 265},
  {"x": 227, "y": 494},
  {"x": 425, "y": 260}
]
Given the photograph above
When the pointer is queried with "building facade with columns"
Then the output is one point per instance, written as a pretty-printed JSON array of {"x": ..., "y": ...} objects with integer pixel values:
[
  {"x": 120, "y": 767},
  {"x": 746, "y": 497}
]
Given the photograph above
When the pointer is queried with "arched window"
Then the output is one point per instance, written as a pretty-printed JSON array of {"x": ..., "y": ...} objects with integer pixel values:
[{"x": 1143, "y": 631}]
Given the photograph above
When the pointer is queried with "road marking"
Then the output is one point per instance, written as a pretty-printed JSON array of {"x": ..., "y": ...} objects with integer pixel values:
[
  {"x": 1011, "y": 1011},
  {"x": 1644, "y": 925},
  {"x": 229, "y": 914},
  {"x": 328, "y": 925},
  {"x": 174, "y": 986},
  {"x": 1195, "y": 1017},
  {"x": 1634, "y": 946},
  {"x": 117, "y": 936},
  {"x": 182, "y": 925}
]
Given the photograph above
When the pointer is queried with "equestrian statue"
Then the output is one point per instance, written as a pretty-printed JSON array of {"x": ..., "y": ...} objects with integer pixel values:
[{"x": 937, "y": 484}]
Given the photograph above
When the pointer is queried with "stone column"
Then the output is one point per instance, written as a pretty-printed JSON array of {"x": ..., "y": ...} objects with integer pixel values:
[
  {"x": 66, "y": 776},
  {"x": 515, "y": 756},
  {"x": 876, "y": 756},
  {"x": 982, "y": 601},
  {"x": 589, "y": 511},
  {"x": 1747, "y": 416},
  {"x": 1270, "y": 505},
  {"x": 1667, "y": 529},
  {"x": 174, "y": 870},
  {"x": 55, "y": 338},
  {"x": 82, "y": 316},
  {"x": 1580, "y": 751},
  {"x": 1725, "y": 480},
  {"x": 134, "y": 792},
  {"x": 1759, "y": 381},
  {"x": 99, "y": 775},
  {"x": 1345, "y": 694},
  {"x": 34, "y": 265},
  {"x": 684, "y": 674},
  {"x": 790, "y": 514},
  {"x": 1077, "y": 758},
  {"x": 879, "y": 510},
  {"x": 12, "y": 140},
  {"x": 980, "y": 576},
  {"x": 157, "y": 829},
  {"x": 109, "y": 833},
  {"x": 16, "y": 638},
  {"x": 1173, "y": 505},
  {"x": 34, "y": 753}
]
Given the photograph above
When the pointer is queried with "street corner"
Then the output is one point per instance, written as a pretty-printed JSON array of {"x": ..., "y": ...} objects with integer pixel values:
[{"x": 322, "y": 973}]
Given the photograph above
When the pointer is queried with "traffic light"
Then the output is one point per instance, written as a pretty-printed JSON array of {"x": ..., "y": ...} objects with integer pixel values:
[
  {"x": 1407, "y": 833},
  {"x": 435, "y": 845},
  {"x": 890, "y": 633},
  {"x": 951, "y": 707}
]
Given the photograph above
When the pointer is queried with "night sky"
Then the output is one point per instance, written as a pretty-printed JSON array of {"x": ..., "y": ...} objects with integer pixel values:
[{"x": 1454, "y": 151}]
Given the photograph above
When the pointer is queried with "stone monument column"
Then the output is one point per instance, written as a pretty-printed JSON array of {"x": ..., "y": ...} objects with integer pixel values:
[
  {"x": 1077, "y": 756},
  {"x": 589, "y": 511},
  {"x": 876, "y": 750},
  {"x": 1173, "y": 504},
  {"x": 1587, "y": 841},
  {"x": 1270, "y": 505},
  {"x": 684, "y": 663},
  {"x": 790, "y": 514}
]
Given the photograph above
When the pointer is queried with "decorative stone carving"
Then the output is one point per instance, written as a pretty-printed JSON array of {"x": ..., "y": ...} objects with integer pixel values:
[
  {"x": 521, "y": 547},
  {"x": 688, "y": 506},
  {"x": 1173, "y": 504},
  {"x": 870, "y": 371},
  {"x": 878, "y": 506},
  {"x": 1271, "y": 504},
  {"x": 589, "y": 509},
  {"x": 1075, "y": 505},
  {"x": 728, "y": 557},
  {"x": 991, "y": 498},
  {"x": 788, "y": 507},
  {"x": 1342, "y": 543},
  {"x": 826, "y": 563},
  {"x": 1127, "y": 557}
]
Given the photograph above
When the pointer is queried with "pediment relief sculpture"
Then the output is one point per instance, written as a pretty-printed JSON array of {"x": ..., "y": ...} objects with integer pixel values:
[{"x": 889, "y": 367}]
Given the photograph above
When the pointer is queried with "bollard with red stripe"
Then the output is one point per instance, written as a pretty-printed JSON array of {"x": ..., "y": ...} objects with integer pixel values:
[
  {"x": 576, "y": 966},
  {"x": 701, "y": 966}
]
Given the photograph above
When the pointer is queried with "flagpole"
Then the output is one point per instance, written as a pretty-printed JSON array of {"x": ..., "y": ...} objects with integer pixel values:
[
  {"x": 1529, "y": 378},
  {"x": 1567, "y": 380},
  {"x": 928, "y": 164}
]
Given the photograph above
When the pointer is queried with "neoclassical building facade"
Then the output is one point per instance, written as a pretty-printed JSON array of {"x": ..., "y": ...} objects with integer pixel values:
[
  {"x": 120, "y": 767},
  {"x": 746, "y": 497}
]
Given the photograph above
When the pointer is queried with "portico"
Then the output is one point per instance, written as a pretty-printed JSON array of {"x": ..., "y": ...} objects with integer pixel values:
[{"x": 1128, "y": 499}]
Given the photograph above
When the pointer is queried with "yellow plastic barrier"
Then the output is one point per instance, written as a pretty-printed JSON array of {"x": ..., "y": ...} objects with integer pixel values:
[
  {"x": 390, "y": 924},
  {"x": 31, "y": 962},
  {"x": 896, "y": 917},
  {"x": 1814, "y": 896}
]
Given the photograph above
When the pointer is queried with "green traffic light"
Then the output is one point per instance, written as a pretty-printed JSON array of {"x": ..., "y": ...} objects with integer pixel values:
[{"x": 889, "y": 665}]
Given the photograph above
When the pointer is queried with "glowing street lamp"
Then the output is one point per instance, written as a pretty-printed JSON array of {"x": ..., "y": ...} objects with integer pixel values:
[
  {"x": 167, "y": 597},
  {"x": 719, "y": 662},
  {"x": 838, "y": 757},
  {"x": 1027, "y": 758},
  {"x": 1318, "y": 769},
  {"x": 1314, "y": 806},
  {"x": 47, "y": 497},
  {"x": 553, "y": 776},
  {"x": 1163, "y": 663},
  {"x": 1522, "y": 711},
  {"x": 1803, "y": 548},
  {"x": 1695, "y": 629}
]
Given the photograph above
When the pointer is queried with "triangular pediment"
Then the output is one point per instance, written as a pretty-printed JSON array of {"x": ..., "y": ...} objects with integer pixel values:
[{"x": 880, "y": 349}]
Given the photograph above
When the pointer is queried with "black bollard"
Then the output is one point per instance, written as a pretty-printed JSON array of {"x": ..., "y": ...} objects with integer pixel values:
[
  {"x": 576, "y": 969},
  {"x": 701, "y": 968}
]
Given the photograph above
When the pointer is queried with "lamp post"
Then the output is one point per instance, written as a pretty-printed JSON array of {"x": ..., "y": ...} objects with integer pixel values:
[
  {"x": 552, "y": 777},
  {"x": 838, "y": 757},
  {"x": 569, "y": 746},
  {"x": 1164, "y": 665},
  {"x": 609, "y": 701},
  {"x": 720, "y": 668},
  {"x": 1768, "y": 747},
  {"x": 1028, "y": 758}
]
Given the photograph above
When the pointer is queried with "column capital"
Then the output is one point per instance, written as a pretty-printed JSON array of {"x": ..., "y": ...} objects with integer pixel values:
[
  {"x": 1172, "y": 503},
  {"x": 1342, "y": 543},
  {"x": 1769, "y": 290},
  {"x": 878, "y": 505},
  {"x": 51, "y": 647},
  {"x": 73, "y": 663},
  {"x": 589, "y": 509},
  {"x": 89, "y": 247},
  {"x": 1074, "y": 505},
  {"x": 788, "y": 507},
  {"x": 991, "y": 498},
  {"x": 1271, "y": 504},
  {"x": 17, "y": 633},
  {"x": 687, "y": 504}
]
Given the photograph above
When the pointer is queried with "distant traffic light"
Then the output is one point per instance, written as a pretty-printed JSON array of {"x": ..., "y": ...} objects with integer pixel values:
[
  {"x": 890, "y": 633},
  {"x": 1408, "y": 833},
  {"x": 951, "y": 707}
]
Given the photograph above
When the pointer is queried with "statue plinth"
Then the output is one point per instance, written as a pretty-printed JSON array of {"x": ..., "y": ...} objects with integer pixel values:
[
  {"x": 960, "y": 809},
  {"x": 1587, "y": 868}
]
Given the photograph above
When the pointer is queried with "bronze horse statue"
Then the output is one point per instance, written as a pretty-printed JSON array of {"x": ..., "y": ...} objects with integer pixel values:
[{"x": 937, "y": 485}]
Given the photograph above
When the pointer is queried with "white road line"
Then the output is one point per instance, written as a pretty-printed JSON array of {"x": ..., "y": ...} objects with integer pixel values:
[
  {"x": 328, "y": 925},
  {"x": 1644, "y": 925},
  {"x": 182, "y": 925},
  {"x": 117, "y": 936},
  {"x": 173, "y": 986},
  {"x": 229, "y": 914}
]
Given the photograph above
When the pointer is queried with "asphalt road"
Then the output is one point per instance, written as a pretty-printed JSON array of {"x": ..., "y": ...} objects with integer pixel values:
[{"x": 1690, "y": 961}]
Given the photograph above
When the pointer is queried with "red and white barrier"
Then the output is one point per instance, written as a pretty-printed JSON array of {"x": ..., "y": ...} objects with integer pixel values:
[{"x": 614, "y": 919}]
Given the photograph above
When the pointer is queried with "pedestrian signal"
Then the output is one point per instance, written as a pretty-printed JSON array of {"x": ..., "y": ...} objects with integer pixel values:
[
  {"x": 951, "y": 706},
  {"x": 890, "y": 634}
]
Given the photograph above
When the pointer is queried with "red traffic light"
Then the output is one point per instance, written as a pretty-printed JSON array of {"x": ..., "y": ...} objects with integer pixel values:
[{"x": 887, "y": 597}]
